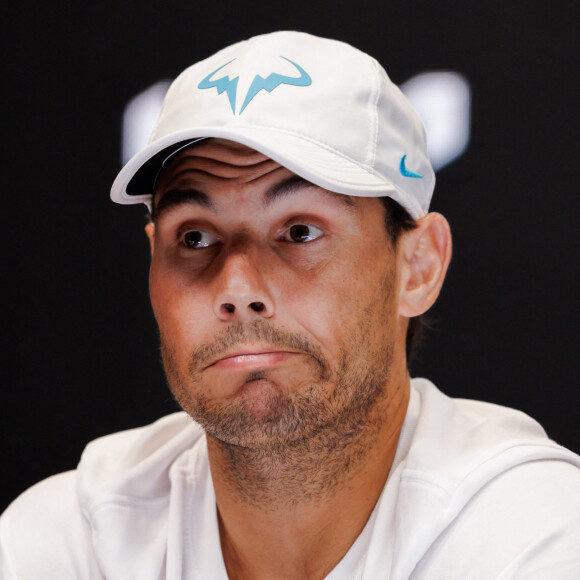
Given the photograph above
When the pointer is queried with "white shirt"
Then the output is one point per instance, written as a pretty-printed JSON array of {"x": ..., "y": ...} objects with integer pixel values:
[{"x": 476, "y": 491}]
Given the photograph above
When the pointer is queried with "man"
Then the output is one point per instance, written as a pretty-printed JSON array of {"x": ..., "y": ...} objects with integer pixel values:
[{"x": 292, "y": 252}]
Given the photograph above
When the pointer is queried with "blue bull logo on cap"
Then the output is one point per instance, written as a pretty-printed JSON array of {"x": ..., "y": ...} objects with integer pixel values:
[{"x": 271, "y": 82}]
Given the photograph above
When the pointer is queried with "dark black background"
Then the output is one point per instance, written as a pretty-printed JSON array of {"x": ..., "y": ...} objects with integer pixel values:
[{"x": 80, "y": 341}]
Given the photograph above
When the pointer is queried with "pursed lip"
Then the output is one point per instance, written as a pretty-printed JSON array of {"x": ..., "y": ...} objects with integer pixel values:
[{"x": 252, "y": 357}]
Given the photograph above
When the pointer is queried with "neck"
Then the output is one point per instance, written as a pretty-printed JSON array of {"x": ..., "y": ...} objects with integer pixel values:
[{"x": 293, "y": 511}]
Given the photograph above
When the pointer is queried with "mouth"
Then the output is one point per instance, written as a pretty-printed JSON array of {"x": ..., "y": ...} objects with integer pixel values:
[{"x": 252, "y": 359}]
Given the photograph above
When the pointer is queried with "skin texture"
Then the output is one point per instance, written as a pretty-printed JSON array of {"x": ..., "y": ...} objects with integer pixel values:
[{"x": 282, "y": 310}]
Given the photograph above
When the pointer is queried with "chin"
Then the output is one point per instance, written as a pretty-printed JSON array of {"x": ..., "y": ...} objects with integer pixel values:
[{"x": 261, "y": 414}]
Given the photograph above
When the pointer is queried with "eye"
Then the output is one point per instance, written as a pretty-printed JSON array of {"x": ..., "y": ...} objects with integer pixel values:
[
  {"x": 301, "y": 233},
  {"x": 196, "y": 239}
]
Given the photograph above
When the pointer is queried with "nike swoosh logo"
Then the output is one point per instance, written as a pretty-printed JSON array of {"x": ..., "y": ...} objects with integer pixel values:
[
  {"x": 407, "y": 172},
  {"x": 273, "y": 81}
]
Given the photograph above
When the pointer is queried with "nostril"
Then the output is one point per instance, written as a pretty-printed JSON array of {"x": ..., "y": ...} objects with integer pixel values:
[
  {"x": 228, "y": 307},
  {"x": 257, "y": 306}
]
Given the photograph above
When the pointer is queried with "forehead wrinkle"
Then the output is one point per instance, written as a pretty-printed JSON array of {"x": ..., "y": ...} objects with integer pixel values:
[
  {"x": 222, "y": 150},
  {"x": 197, "y": 173},
  {"x": 197, "y": 164},
  {"x": 225, "y": 169}
]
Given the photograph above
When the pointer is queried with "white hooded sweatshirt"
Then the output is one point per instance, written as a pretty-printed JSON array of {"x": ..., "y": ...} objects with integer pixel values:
[{"x": 476, "y": 491}]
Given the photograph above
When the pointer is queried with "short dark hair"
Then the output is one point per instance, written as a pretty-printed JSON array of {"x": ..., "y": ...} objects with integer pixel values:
[{"x": 397, "y": 222}]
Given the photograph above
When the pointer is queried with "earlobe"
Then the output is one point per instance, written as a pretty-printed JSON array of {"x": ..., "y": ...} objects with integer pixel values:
[
  {"x": 424, "y": 254},
  {"x": 150, "y": 231}
]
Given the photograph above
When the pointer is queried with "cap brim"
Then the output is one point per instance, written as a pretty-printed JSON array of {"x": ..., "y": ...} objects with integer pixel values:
[{"x": 311, "y": 160}]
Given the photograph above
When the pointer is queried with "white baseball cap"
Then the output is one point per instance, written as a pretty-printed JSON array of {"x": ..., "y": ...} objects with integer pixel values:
[{"x": 321, "y": 108}]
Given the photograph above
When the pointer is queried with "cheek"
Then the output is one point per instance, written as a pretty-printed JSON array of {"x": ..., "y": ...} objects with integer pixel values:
[
  {"x": 177, "y": 308},
  {"x": 336, "y": 303}
]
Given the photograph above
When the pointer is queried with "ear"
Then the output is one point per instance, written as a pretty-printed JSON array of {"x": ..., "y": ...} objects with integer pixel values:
[
  {"x": 424, "y": 254},
  {"x": 150, "y": 231}
]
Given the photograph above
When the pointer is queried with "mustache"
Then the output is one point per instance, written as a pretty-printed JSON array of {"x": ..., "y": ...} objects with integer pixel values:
[{"x": 239, "y": 334}]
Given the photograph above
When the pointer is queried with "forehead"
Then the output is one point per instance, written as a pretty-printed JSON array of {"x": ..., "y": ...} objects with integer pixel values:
[
  {"x": 203, "y": 171},
  {"x": 216, "y": 158}
]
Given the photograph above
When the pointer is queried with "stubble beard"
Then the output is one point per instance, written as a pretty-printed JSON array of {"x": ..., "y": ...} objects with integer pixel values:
[{"x": 310, "y": 436}]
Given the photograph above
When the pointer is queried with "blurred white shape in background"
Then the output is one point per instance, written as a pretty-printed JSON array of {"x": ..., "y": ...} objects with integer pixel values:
[
  {"x": 139, "y": 118},
  {"x": 442, "y": 99}
]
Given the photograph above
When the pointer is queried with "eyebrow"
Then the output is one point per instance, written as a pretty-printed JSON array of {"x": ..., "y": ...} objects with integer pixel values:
[
  {"x": 280, "y": 190},
  {"x": 293, "y": 184},
  {"x": 177, "y": 197}
]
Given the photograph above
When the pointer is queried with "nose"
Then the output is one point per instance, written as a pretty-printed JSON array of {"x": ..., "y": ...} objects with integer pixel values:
[{"x": 241, "y": 292}]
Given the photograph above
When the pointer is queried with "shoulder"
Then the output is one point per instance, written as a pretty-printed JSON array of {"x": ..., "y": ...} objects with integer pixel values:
[
  {"x": 497, "y": 495},
  {"x": 133, "y": 454},
  {"x": 48, "y": 531},
  {"x": 43, "y": 534},
  {"x": 524, "y": 523},
  {"x": 458, "y": 440}
]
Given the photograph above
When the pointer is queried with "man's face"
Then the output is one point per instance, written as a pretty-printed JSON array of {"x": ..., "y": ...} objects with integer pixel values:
[{"x": 275, "y": 299}]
